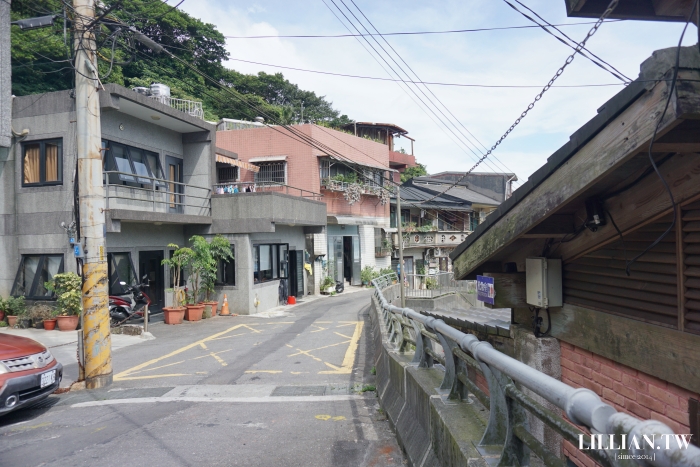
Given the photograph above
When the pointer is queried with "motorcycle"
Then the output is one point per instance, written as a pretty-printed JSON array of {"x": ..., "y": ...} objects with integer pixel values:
[{"x": 129, "y": 305}]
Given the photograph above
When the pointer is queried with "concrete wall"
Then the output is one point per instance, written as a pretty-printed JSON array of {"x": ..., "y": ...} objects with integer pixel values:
[{"x": 5, "y": 77}]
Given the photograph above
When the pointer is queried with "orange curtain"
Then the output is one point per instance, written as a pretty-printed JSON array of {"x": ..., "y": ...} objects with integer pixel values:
[
  {"x": 51, "y": 163},
  {"x": 31, "y": 163}
]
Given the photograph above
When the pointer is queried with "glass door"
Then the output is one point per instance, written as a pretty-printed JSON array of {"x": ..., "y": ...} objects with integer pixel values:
[{"x": 175, "y": 190}]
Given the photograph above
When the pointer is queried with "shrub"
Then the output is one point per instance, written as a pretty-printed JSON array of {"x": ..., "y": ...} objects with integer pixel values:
[
  {"x": 40, "y": 312},
  {"x": 368, "y": 274},
  {"x": 15, "y": 306},
  {"x": 431, "y": 283},
  {"x": 67, "y": 287},
  {"x": 327, "y": 281}
]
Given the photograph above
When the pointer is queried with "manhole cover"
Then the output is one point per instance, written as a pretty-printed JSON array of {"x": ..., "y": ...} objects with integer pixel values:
[{"x": 299, "y": 391}]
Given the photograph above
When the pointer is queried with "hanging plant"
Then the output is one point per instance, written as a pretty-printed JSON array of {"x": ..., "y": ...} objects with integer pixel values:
[
  {"x": 384, "y": 197},
  {"x": 352, "y": 193}
]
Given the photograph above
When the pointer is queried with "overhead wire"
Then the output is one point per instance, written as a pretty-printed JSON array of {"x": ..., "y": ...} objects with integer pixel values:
[{"x": 611, "y": 6}]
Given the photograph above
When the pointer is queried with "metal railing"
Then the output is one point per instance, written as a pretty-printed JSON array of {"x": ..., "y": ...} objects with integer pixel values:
[
  {"x": 124, "y": 190},
  {"x": 365, "y": 189},
  {"x": 258, "y": 187},
  {"x": 435, "y": 285},
  {"x": 437, "y": 238},
  {"x": 193, "y": 108},
  {"x": 509, "y": 406}
]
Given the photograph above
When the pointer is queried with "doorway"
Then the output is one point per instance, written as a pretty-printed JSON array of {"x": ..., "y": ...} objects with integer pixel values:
[
  {"x": 150, "y": 265},
  {"x": 351, "y": 259},
  {"x": 175, "y": 189},
  {"x": 296, "y": 273}
]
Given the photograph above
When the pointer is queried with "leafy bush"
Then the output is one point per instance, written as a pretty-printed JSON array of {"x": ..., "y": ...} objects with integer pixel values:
[
  {"x": 368, "y": 273},
  {"x": 40, "y": 312},
  {"x": 180, "y": 259},
  {"x": 327, "y": 281},
  {"x": 431, "y": 283},
  {"x": 67, "y": 287},
  {"x": 385, "y": 271},
  {"x": 15, "y": 306}
]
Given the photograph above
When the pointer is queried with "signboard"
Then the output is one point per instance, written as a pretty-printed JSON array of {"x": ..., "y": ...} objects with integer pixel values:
[{"x": 485, "y": 291}]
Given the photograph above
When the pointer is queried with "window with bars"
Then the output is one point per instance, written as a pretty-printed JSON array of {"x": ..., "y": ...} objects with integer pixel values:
[
  {"x": 272, "y": 172},
  {"x": 368, "y": 176},
  {"x": 227, "y": 174},
  {"x": 42, "y": 163}
]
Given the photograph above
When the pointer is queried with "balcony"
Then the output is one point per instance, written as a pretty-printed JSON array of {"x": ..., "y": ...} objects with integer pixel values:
[
  {"x": 143, "y": 198},
  {"x": 228, "y": 188},
  {"x": 433, "y": 239},
  {"x": 352, "y": 190},
  {"x": 381, "y": 252}
]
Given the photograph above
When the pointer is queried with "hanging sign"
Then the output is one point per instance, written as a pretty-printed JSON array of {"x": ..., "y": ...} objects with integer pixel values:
[{"x": 485, "y": 291}]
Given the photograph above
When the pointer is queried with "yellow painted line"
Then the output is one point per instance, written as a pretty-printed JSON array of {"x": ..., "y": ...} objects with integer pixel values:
[
  {"x": 324, "y": 322},
  {"x": 158, "y": 367},
  {"x": 299, "y": 372},
  {"x": 32, "y": 427},
  {"x": 306, "y": 352},
  {"x": 251, "y": 328},
  {"x": 320, "y": 328},
  {"x": 218, "y": 359},
  {"x": 342, "y": 335},
  {"x": 279, "y": 322},
  {"x": 203, "y": 345},
  {"x": 128, "y": 378},
  {"x": 289, "y": 346},
  {"x": 201, "y": 372},
  {"x": 349, "y": 360},
  {"x": 320, "y": 348},
  {"x": 99, "y": 429},
  {"x": 229, "y": 337},
  {"x": 263, "y": 371},
  {"x": 124, "y": 374},
  {"x": 354, "y": 323}
]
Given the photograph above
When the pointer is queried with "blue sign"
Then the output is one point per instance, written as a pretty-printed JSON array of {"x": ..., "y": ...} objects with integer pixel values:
[
  {"x": 71, "y": 240},
  {"x": 78, "y": 251},
  {"x": 485, "y": 291}
]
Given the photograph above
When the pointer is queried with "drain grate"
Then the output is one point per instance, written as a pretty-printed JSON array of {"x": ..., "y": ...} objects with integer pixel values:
[{"x": 299, "y": 391}]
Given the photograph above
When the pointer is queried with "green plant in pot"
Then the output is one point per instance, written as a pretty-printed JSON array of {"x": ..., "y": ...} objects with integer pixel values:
[
  {"x": 15, "y": 309},
  {"x": 43, "y": 315},
  {"x": 328, "y": 285},
  {"x": 178, "y": 262},
  {"x": 219, "y": 250},
  {"x": 69, "y": 299}
]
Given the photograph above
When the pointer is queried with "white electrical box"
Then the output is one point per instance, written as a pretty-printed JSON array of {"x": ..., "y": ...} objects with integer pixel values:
[{"x": 543, "y": 282}]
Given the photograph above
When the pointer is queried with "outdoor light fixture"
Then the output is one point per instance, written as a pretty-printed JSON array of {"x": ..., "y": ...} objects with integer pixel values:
[
  {"x": 35, "y": 23},
  {"x": 155, "y": 117}
]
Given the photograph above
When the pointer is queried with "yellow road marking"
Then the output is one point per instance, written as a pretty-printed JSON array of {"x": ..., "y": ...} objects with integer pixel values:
[
  {"x": 32, "y": 427},
  {"x": 263, "y": 371},
  {"x": 306, "y": 352},
  {"x": 279, "y": 322},
  {"x": 324, "y": 322},
  {"x": 330, "y": 417},
  {"x": 228, "y": 337},
  {"x": 99, "y": 429},
  {"x": 320, "y": 348},
  {"x": 154, "y": 376},
  {"x": 124, "y": 375},
  {"x": 320, "y": 328},
  {"x": 289, "y": 346},
  {"x": 251, "y": 328},
  {"x": 201, "y": 372},
  {"x": 342, "y": 335},
  {"x": 354, "y": 323},
  {"x": 299, "y": 372},
  {"x": 349, "y": 360},
  {"x": 203, "y": 345},
  {"x": 218, "y": 359}
]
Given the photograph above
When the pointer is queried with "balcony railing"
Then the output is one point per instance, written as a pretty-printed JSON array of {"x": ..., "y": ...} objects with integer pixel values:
[
  {"x": 462, "y": 355},
  {"x": 365, "y": 189},
  {"x": 433, "y": 239},
  {"x": 381, "y": 252},
  {"x": 154, "y": 194},
  {"x": 193, "y": 108},
  {"x": 229, "y": 188}
]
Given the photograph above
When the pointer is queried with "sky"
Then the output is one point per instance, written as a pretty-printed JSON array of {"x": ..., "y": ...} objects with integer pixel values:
[{"x": 472, "y": 119}]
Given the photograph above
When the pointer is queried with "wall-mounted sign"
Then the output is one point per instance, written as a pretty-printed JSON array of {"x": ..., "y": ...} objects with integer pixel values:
[{"x": 485, "y": 291}]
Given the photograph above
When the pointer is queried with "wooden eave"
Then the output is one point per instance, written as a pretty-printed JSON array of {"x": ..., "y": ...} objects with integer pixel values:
[
  {"x": 647, "y": 10},
  {"x": 605, "y": 154}
]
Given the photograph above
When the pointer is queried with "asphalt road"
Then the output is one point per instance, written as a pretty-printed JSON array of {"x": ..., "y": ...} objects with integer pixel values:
[{"x": 291, "y": 390}]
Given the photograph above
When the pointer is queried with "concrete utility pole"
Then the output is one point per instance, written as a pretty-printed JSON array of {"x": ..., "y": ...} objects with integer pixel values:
[
  {"x": 97, "y": 342},
  {"x": 401, "y": 265}
]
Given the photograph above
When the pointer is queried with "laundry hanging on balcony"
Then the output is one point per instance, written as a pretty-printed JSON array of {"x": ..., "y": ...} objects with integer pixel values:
[{"x": 235, "y": 162}]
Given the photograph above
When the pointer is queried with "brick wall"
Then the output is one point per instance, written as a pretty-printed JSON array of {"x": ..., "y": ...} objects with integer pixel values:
[{"x": 626, "y": 389}]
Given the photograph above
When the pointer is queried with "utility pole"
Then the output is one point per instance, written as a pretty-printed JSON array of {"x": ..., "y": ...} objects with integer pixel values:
[
  {"x": 401, "y": 265},
  {"x": 97, "y": 342}
]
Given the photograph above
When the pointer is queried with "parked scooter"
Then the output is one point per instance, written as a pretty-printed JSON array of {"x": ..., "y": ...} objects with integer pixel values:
[
  {"x": 339, "y": 286},
  {"x": 129, "y": 305}
]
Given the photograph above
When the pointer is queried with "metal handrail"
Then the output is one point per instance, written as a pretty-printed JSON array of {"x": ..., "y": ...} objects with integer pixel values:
[
  {"x": 155, "y": 187},
  {"x": 508, "y": 405},
  {"x": 269, "y": 187}
]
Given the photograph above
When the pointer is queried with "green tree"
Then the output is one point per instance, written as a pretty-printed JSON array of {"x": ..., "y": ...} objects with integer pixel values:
[{"x": 417, "y": 171}]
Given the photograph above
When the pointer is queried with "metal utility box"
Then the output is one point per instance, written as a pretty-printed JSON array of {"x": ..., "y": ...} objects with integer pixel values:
[{"x": 543, "y": 282}]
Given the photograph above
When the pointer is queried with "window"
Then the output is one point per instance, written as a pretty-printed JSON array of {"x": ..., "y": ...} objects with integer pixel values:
[
  {"x": 392, "y": 216},
  {"x": 473, "y": 220},
  {"x": 42, "y": 163},
  {"x": 227, "y": 174},
  {"x": 270, "y": 262},
  {"x": 272, "y": 172},
  {"x": 34, "y": 271},
  {"x": 134, "y": 165},
  {"x": 226, "y": 272},
  {"x": 350, "y": 172},
  {"x": 120, "y": 268}
]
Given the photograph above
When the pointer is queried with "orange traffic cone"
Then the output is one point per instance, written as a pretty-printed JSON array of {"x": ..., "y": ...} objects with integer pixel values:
[{"x": 224, "y": 307}]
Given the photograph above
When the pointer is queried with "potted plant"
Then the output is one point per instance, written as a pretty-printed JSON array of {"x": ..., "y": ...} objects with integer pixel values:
[
  {"x": 328, "y": 285},
  {"x": 367, "y": 274},
  {"x": 193, "y": 310},
  {"x": 219, "y": 249},
  {"x": 43, "y": 316},
  {"x": 67, "y": 287},
  {"x": 15, "y": 309},
  {"x": 179, "y": 260}
]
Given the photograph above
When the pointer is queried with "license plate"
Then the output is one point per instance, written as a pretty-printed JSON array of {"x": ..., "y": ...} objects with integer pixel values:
[{"x": 47, "y": 379}]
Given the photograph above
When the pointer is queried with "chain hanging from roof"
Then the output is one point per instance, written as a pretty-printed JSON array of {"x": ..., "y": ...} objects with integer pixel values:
[{"x": 352, "y": 193}]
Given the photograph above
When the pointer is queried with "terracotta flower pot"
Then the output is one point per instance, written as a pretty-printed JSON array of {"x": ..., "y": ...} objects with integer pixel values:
[
  {"x": 173, "y": 315},
  {"x": 11, "y": 321},
  {"x": 194, "y": 312},
  {"x": 68, "y": 323},
  {"x": 2, "y": 315},
  {"x": 50, "y": 324},
  {"x": 214, "y": 306}
]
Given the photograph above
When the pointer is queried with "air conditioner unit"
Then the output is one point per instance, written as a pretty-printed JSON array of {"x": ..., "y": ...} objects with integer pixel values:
[
  {"x": 543, "y": 282},
  {"x": 395, "y": 254}
]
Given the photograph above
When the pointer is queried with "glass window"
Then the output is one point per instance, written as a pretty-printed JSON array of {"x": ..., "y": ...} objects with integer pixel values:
[
  {"x": 42, "y": 163},
  {"x": 226, "y": 272},
  {"x": 140, "y": 165},
  {"x": 34, "y": 271},
  {"x": 121, "y": 161},
  {"x": 120, "y": 269},
  {"x": 270, "y": 262},
  {"x": 135, "y": 164}
]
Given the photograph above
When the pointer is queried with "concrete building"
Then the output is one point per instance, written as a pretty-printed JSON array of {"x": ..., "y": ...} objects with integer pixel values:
[
  {"x": 432, "y": 228},
  {"x": 159, "y": 175},
  {"x": 352, "y": 187}
]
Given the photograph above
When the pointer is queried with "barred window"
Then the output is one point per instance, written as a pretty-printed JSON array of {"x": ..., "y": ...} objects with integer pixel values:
[
  {"x": 272, "y": 172},
  {"x": 227, "y": 174}
]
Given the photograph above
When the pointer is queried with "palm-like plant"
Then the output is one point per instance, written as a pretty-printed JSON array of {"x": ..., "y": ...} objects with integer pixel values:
[{"x": 180, "y": 260}]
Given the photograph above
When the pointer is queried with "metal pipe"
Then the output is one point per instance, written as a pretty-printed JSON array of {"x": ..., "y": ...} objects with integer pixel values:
[{"x": 402, "y": 269}]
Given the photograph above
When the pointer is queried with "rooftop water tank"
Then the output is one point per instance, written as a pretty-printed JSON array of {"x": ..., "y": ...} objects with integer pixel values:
[
  {"x": 141, "y": 90},
  {"x": 160, "y": 90}
]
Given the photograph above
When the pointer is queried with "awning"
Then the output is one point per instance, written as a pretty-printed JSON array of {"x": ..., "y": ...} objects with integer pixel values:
[
  {"x": 267, "y": 159},
  {"x": 237, "y": 163},
  {"x": 357, "y": 163}
]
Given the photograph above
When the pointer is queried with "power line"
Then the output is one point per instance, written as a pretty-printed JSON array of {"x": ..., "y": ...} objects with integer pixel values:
[
  {"x": 611, "y": 6},
  {"x": 377, "y": 78},
  {"x": 412, "y": 33}
]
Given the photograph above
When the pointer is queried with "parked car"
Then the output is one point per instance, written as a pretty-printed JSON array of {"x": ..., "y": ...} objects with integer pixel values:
[{"x": 28, "y": 372}]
